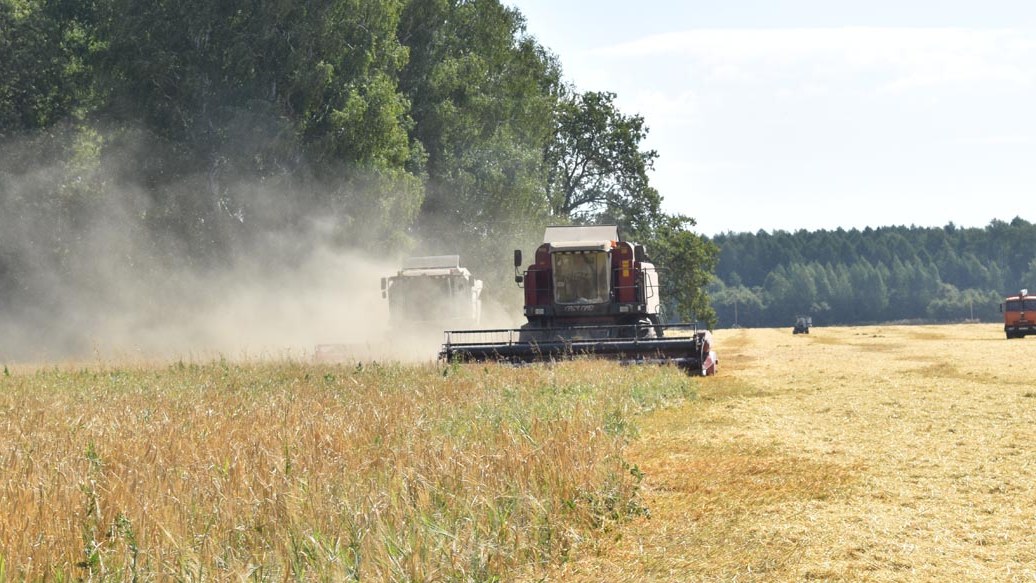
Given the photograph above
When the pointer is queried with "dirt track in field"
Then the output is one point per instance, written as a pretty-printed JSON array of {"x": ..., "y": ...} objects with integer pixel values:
[{"x": 886, "y": 453}]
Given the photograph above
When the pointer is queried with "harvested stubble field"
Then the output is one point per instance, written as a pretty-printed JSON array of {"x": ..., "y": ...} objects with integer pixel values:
[
  {"x": 885, "y": 453},
  {"x": 291, "y": 471}
]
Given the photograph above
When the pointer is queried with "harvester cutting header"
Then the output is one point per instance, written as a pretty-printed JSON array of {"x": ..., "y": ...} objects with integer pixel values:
[{"x": 587, "y": 292}]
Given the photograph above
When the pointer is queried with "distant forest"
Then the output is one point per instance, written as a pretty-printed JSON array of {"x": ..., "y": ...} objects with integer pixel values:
[{"x": 887, "y": 274}]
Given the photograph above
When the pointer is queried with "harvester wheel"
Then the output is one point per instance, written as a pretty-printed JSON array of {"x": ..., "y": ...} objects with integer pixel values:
[
  {"x": 530, "y": 333},
  {"x": 646, "y": 329},
  {"x": 712, "y": 367},
  {"x": 639, "y": 329}
]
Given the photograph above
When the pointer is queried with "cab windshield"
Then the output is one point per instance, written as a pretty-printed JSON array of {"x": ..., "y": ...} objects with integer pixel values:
[
  {"x": 581, "y": 277},
  {"x": 1027, "y": 305},
  {"x": 427, "y": 298}
]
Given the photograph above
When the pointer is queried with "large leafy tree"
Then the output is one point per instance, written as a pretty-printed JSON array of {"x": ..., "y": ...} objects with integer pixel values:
[
  {"x": 596, "y": 169},
  {"x": 300, "y": 96},
  {"x": 204, "y": 127},
  {"x": 597, "y": 172},
  {"x": 481, "y": 92},
  {"x": 735, "y": 305},
  {"x": 45, "y": 92},
  {"x": 687, "y": 261},
  {"x": 44, "y": 46}
]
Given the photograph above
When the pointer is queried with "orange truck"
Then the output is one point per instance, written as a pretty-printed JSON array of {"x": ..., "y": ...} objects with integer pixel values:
[{"x": 1019, "y": 314}]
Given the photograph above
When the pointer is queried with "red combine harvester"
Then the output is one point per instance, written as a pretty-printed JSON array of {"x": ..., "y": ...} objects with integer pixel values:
[{"x": 588, "y": 293}]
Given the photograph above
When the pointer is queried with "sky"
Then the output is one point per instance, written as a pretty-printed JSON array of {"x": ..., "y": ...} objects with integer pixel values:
[{"x": 810, "y": 114}]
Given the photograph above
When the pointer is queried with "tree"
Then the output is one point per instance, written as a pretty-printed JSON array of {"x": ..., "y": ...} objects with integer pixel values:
[
  {"x": 803, "y": 281},
  {"x": 780, "y": 299},
  {"x": 482, "y": 92},
  {"x": 301, "y": 98},
  {"x": 596, "y": 169},
  {"x": 596, "y": 172},
  {"x": 736, "y": 305},
  {"x": 207, "y": 128},
  {"x": 44, "y": 78},
  {"x": 687, "y": 261}
]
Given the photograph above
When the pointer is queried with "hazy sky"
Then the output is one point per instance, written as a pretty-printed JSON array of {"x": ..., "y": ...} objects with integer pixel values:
[{"x": 809, "y": 114}]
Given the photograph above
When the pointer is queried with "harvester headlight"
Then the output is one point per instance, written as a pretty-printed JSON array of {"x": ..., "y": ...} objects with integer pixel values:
[
  {"x": 539, "y": 311},
  {"x": 624, "y": 309}
]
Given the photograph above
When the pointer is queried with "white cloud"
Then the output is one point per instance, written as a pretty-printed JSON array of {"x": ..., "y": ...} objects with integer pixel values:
[
  {"x": 825, "y": 127},
  {"x": 682, "y": 108},
  {"x": 994, "y": 141},
  {"x": 891, "y": 59}
]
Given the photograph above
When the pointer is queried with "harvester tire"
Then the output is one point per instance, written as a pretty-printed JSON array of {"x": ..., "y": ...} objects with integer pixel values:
[
  {"x": 646, "y": 329},
  {"x": 530, "y": 333}
]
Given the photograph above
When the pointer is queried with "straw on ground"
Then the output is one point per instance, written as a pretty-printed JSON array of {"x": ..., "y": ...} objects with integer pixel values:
[{"x": 853, "y": 454}]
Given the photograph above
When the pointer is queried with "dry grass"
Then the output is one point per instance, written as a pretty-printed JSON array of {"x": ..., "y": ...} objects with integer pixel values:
[
  {"x": 278, "y": 471},
  {"x": 852, "y": 454}
]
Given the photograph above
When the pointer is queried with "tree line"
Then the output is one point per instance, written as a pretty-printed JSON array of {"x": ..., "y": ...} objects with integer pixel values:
[
  {"x": 946, "y": 274},
  {"x": 193, "y": 133}
]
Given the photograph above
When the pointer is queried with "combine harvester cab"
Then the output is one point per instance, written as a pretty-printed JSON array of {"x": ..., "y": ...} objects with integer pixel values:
[
  {"x": 426, "y": 296},
  {"x": 588, "y": 293},
  {"x": 1019, "y": 314},
  {"x": 433, "y": 291}
]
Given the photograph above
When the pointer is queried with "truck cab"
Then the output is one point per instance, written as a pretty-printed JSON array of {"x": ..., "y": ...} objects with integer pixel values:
[{"x": 1019, "y": 314}]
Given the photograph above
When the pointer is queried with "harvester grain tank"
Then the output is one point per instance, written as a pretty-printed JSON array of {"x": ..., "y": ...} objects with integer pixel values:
[
  {"x": 1019, "y": 314},
  {"x": 588, "y": 293},
  {"x": 433, "y": 291}
]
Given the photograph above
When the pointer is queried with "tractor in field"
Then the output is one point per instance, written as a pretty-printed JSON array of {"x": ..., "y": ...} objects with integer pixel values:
[
  {"x": 588, "y": 293},
  {"x": 802, "y": 325}
]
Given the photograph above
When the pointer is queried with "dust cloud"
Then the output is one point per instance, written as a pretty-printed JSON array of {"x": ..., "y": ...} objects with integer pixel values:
[
  {"x": 105, "y": 310},
  {"x": 89, "y": 279}
]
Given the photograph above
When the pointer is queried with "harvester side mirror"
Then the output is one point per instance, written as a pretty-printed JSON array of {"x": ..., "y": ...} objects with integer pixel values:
[
  {"x": 517, "y": 265},
  {"x": 639, "y": 253},
  {"x": 384, "y": 286}
]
